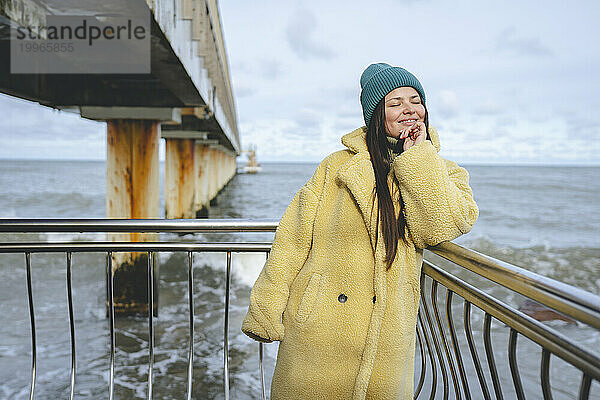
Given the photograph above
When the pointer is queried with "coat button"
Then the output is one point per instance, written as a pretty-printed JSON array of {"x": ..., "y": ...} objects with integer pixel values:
[
  {"x": 342, "y": 298},
  {"x": 373, "y": 299}
]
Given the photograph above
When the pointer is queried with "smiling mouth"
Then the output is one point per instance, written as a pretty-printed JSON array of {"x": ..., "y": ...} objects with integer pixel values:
[{"x": 408, "y": 122}]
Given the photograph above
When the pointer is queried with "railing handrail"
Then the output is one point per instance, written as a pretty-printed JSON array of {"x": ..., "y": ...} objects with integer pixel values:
[
  {"x": 74, "y": 247},
  {"x": 569, "y": 300},
  {"x": 33, "y": 225}
]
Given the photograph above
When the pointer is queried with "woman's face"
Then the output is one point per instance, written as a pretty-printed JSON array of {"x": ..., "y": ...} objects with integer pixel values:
[{"x": 403, "y": 108}]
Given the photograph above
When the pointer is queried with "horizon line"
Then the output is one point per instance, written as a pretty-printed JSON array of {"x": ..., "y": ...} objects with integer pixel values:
[{"x": 472, "y": 163}]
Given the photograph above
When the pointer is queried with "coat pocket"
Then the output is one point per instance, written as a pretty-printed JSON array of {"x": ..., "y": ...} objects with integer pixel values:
[{"x": 309, "y": 298}]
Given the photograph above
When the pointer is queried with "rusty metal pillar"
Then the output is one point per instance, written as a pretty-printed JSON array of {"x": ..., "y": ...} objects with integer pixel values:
[
  {"x": 201, "y": 198},
  {"x": 132, "y": 191},
  {"x": 233, "y": 168},
  {"x": 228, "y": 163},
  {"x": 184, "y": 166},
  {"x": 220, "y": 170},
  {"x": 228, "y": 159},
  {"x": 180, "y": 182},
  {"x": 232, "y": 165},
  {"x": 212, "y": 175},
  {"x": 224, "y": 166}
]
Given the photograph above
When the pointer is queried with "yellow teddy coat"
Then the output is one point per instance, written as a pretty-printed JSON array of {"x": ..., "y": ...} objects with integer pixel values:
[{"x": 346, "y": 324}]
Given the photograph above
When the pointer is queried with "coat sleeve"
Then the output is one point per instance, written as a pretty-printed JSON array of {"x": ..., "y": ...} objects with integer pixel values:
[
  {"x": 290, "y": 249},
  {"x": 439, "y": 204}
]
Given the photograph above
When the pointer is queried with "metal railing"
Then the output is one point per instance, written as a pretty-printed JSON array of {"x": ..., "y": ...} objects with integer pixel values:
[
  {"x": 441, "y": 340},
  {"x": 439, "y": 346}
]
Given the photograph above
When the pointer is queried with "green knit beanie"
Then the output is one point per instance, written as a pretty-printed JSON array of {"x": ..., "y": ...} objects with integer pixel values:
[{"x": 378, "y": 80}]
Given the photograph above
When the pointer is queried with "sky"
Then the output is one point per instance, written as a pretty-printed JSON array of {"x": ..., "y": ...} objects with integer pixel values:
[{"x": 512, "y": 82}]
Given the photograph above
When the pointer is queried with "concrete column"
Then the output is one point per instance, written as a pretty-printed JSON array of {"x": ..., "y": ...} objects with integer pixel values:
[
  {"x": 225, "y": 171},
  {"x": 132, "y": 191},
  {"x": 228, "y": 167},
  {"x": 220, "y": 170},
  {"x": 217, "y": 172},
  {"x": 201, "y": 198},
  {"x": 229, "y": 164},
  {"x": 224, "y": 168},
  {"x": 180, "y": 178},
  {"x": 232, "y": 166},
  {"x": 212, "y": 176}
]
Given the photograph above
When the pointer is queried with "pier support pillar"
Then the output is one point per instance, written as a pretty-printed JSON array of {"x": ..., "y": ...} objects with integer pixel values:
[
  {"x": 132, "y": 191},
  {"x": 201, "y": 197},
  {"x": 232, "y": 166},
  {"x": 220, "y": 170},
  {"x": 186, "y": 191},
  {"x": 180, "y": 181},
  {"x": 212, "y": 175}
]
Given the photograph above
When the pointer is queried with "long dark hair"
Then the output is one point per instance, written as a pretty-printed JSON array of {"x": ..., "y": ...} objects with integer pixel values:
[{"x": 381, "y": 158}]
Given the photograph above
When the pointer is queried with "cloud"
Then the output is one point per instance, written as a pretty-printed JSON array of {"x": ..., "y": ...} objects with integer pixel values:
[
  {"x": 508, "y": 41},
  {"x": 307, "y": 123},
  {"x": 489, "y": 107},
  {"x": 270, "y": 69},
  {"x": 33, "y": 121},
  {"x": 348, "y": 118},
  {"x": 350, "y": 114},
  {"x": 242, "y": 90},
  {"x": 246, "y": 81},
  {"x": 299, "y": 34},
  {"x": 286, "y": 141},
  {"x": 506, "y": 121},
  {"x": 344, "y": 126},
  {"x": 583, "y": 128},
  {"x": 448, "y": 104}
]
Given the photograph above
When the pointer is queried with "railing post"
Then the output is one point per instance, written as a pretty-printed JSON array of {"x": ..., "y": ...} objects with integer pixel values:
[
  {"x": 150, "y": 282},
  {"x": 32, "y": 319},
  {"x": 190, "y": 372},
  {"x": 260, "y": 360},
  {"x": 226, "y": 329},
  {"x": 111, "y": 323},
  {"x": 71, "y": 325}
]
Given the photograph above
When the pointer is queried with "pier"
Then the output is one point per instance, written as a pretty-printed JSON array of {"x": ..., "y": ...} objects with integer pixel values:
[{"x": 176, "y": 87}]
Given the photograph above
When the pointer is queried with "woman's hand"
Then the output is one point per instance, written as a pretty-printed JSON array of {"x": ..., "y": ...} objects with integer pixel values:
[{"x": 414, "y": 134}]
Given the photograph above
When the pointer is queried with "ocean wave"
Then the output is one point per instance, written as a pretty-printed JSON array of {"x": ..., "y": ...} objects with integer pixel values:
[{"x": 575, "y": 265}]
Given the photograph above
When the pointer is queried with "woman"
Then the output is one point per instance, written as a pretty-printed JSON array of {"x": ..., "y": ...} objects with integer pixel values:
[{"x": 340, "y": 294}]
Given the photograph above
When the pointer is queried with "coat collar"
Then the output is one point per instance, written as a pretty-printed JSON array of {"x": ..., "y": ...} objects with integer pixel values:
[{"x": 358, "y": 176}]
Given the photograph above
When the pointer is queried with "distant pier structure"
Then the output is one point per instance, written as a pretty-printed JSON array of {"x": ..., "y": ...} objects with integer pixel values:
[{"x": 183, "y": 96}]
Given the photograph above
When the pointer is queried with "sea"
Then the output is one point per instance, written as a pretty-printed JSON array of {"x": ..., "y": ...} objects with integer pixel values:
[{"x": 543, "y": 218}]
